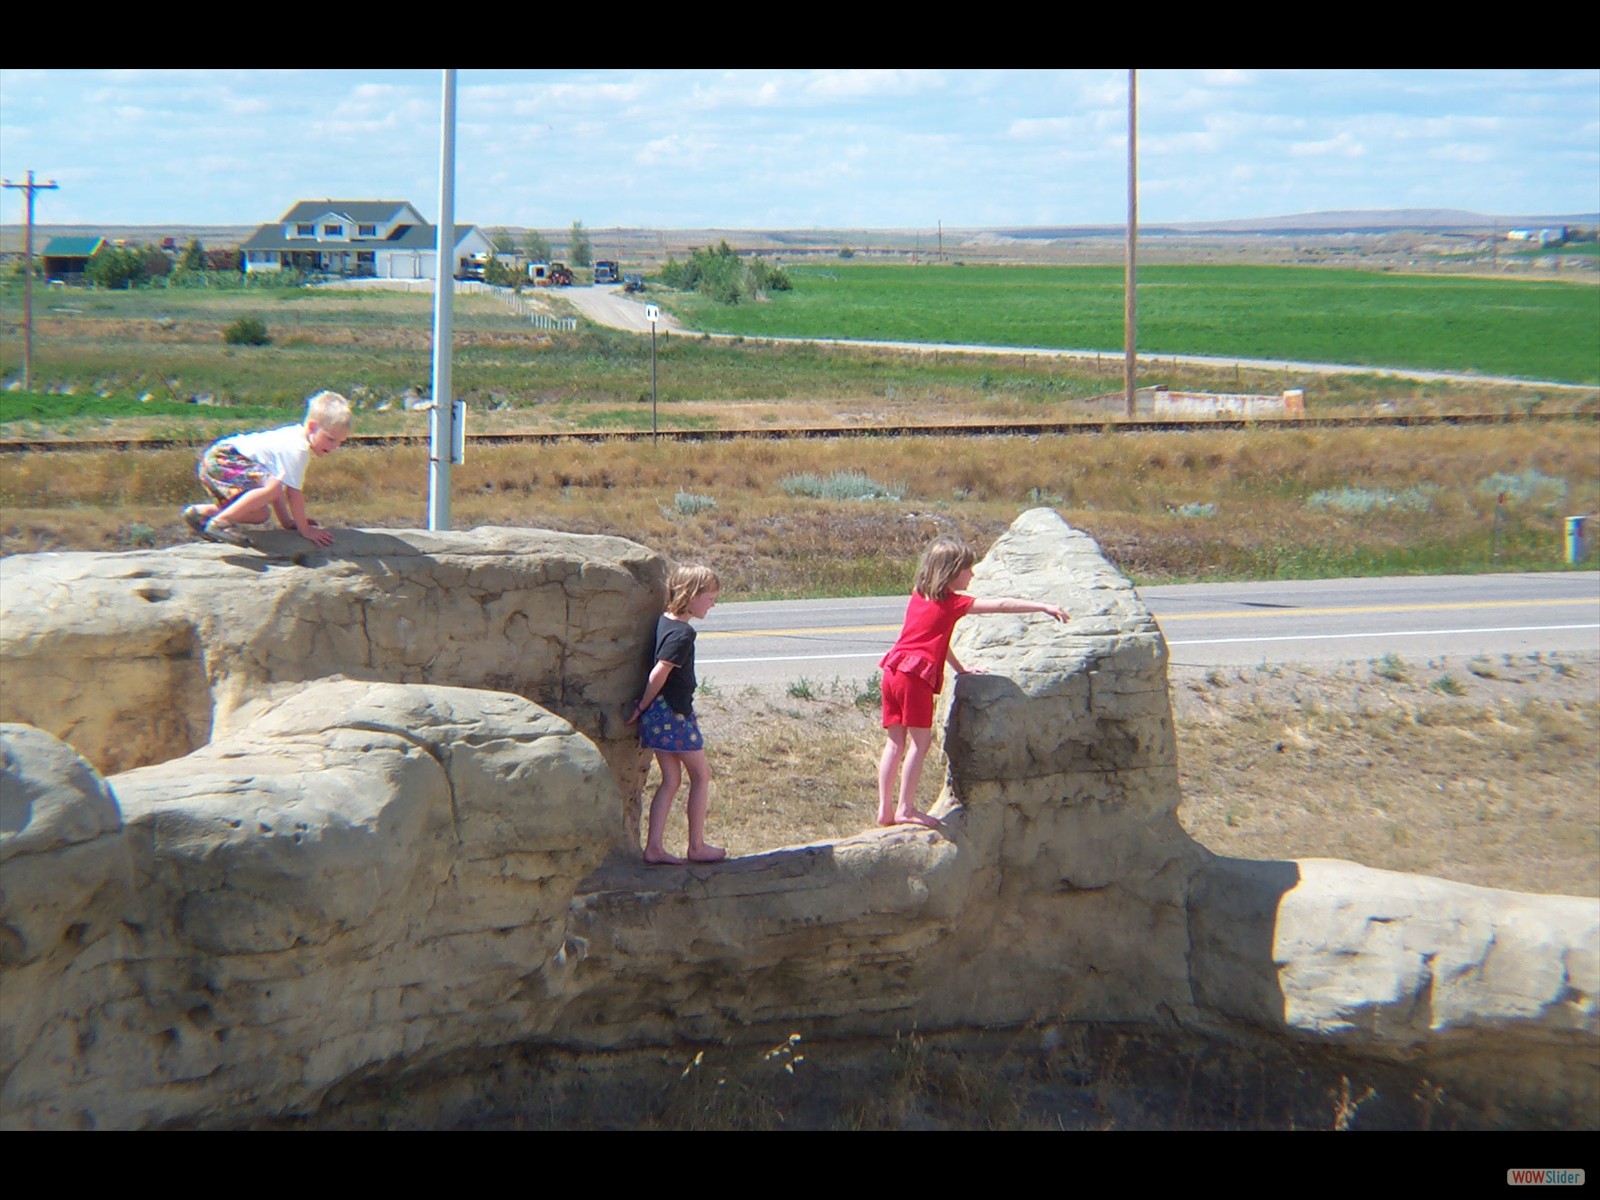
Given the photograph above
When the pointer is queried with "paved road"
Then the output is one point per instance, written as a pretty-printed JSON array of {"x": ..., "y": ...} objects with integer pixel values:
[{"x": 1325, "y": 622}]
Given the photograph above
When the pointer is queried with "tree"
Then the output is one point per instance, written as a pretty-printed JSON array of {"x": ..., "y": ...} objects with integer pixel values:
[
  {"x": 154, "y": 262},
  {"x": 114, "y": 268},
  {"x": 723, "y": 275},
  {"x": 224, "y": 260},
  {"x": 536, "y": 247},
  {"x": 504, "y": 243},
  {"x": 193, "y": 257},
  {"x": 579, "y": 251}
]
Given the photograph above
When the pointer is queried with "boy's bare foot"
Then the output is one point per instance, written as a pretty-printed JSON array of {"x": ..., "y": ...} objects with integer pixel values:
[
  {"x": 914, "y": 817},
  {"x": 708, "y": 853},
  {"x": 660, "y": 858}
]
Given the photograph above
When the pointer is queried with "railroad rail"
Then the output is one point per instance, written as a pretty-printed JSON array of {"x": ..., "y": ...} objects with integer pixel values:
[{"x": 1005, "y": 429}]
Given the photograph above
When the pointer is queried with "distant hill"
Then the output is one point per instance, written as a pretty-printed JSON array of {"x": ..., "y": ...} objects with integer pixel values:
[
  {"x": 1026, "y": 242},
  {"x": 1366, "y": 220}
]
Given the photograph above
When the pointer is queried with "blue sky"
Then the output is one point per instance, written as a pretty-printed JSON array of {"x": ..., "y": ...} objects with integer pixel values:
[{"x": 800, "y": 149}]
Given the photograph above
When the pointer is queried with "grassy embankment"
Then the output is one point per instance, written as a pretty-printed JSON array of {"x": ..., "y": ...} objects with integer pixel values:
[{"x": 1256, "y": 504}]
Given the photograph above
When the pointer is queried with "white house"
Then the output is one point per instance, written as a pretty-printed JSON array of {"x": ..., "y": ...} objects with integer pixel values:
[{"x": 382, "y": 239}]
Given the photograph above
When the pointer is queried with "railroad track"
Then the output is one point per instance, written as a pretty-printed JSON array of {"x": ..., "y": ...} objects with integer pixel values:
[{"x": 1006, "y": 429}]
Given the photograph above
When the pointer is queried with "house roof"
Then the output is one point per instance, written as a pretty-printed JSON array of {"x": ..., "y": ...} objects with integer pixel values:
[
  {"x": 404, "y": 237},
  {"x": 365, "y": 212},
  {"x": 72, "y": 247}
]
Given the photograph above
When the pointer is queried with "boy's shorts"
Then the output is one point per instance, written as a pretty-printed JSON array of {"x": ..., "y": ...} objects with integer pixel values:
[
  {"x": 224, "y": 472},
  {"x": 662, "y": 729},
  {"x": 907, "y": 700}
]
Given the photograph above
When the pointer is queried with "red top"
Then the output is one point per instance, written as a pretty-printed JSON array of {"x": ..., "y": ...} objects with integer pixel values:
[{"x": 925, "y": 640}]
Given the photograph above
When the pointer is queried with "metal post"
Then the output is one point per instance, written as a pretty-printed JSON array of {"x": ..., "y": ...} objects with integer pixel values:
[
  {"x": 1130, "y": 286},
  {"x": 444, "y": 288},
  {"x": 29, "y": 189},
  {"x": 652, "y": 314},
  {"x": 1575, "y": 546}
]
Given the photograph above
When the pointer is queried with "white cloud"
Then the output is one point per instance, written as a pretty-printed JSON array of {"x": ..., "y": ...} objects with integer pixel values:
[
  {"x": 742, "y": 147},
  {"x": 1342, "y": 145}
]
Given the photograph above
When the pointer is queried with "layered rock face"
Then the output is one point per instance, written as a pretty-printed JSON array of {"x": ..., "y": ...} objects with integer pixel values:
[
  {"x": 332, "y": 842},
  {"x": 143, "y": 657}
]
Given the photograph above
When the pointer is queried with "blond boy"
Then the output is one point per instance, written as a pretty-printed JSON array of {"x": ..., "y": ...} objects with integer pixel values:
[{"x": 252, "y": 475}]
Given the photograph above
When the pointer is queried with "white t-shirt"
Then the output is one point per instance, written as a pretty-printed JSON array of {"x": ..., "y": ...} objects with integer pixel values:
[{"x": 283, "y": 452}]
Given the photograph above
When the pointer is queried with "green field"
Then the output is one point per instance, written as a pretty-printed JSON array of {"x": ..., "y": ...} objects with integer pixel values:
[{"x": 1535, "y": 330}]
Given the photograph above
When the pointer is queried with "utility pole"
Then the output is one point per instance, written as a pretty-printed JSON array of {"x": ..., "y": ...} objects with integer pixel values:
[
  {"x": 27, "y": 280},
  {"x": 1130, "y": 287},
  {"x": 442, "y": 443}
]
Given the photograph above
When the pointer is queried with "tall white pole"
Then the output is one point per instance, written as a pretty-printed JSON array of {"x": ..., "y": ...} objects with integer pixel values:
[
  {"x": 444, "y": 289},
  {"x": 1130, "y": 285}
]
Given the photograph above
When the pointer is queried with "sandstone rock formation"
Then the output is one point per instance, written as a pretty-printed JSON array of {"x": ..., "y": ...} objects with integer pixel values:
[
  {"x": 142, "y": 657},
  {"x": 332, "y": 843}
]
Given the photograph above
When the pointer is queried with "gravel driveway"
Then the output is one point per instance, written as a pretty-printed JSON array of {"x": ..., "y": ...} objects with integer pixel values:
[{"x": 609, "y": 305}]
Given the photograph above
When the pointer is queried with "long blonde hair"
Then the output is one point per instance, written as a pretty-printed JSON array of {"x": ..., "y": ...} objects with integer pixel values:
[
  {"x": 942, "y": 561},
  {"x": 687, "y": 582}
]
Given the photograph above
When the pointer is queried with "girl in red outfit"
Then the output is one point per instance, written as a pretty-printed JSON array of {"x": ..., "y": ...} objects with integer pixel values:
[{"x": 913, "y": 671}]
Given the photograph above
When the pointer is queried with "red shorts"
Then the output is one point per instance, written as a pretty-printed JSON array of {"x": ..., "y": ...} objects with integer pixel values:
[{"x": 907, "y": 700}]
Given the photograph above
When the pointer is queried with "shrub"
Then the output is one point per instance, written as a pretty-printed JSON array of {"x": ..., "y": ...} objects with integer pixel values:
[
  {"x": 247, "y": 331},
  {"x": 841, "y": 485},
  {"x": 723, "y": 275},
  {"x": 113, "y": 268},
  {"x": 1357, "y": 501},
  {"x": 1526, "y": 485},
  {"x": 1195, "y": 509},
  {"x": 687, "y": 504},
  {"x": 1391, "y": 667},
  {"x": 871, "y": 696}
]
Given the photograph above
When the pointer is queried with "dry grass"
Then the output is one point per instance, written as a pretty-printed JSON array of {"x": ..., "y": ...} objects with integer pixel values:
[
  {"x": 1490, "y": 781},
  {"x": 1129, "y": 491},
  {"x": 1495, "y": 786}
]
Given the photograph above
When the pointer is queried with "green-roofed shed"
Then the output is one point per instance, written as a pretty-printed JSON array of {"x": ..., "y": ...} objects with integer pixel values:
[{"x": 66, "y": 257}]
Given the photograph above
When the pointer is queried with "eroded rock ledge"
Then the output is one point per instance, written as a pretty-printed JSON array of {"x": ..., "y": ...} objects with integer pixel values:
[{"x": 375, "y": 807}]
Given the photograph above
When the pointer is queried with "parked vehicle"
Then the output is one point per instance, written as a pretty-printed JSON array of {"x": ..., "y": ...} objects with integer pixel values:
[
  {"x": 549, "y": 274},
  {"x": 633, "y": 283},
  {"x": 606, "y": 271},
  {"x": 474, "y": 266}
]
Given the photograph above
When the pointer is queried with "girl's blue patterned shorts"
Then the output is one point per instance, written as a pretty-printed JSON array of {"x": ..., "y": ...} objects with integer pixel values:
[{"x": 662, "y": 729}]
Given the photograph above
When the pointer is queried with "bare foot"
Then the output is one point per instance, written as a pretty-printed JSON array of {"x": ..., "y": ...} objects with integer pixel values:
[
  {"x": 708, "y": 853},
  {"x": 915, "y": 817},
  {"x": 660, "y": 858}
]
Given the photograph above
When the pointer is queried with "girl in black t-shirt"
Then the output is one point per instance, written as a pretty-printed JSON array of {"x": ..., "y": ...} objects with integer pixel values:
[{"x": 666, "y": 716}]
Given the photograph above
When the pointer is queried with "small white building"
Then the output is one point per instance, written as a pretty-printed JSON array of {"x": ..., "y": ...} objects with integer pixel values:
[{"x": 372, "y": 239}]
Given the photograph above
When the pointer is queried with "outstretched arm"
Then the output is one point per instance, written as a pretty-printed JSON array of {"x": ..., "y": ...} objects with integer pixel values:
[
  {"x": 652, "y": 688},
  {"x": 1010, "y": 604},
  {"x": 309, "y": 529}
]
